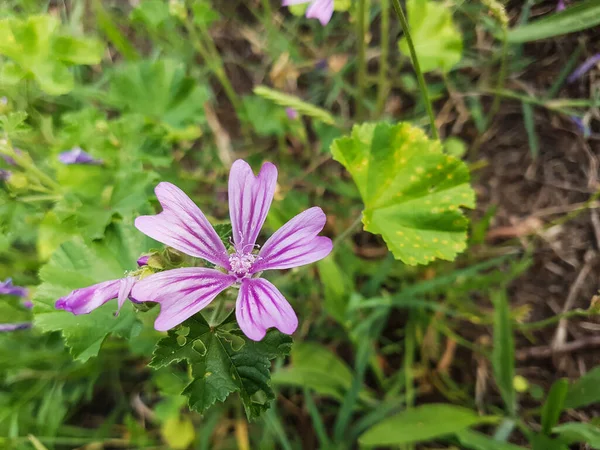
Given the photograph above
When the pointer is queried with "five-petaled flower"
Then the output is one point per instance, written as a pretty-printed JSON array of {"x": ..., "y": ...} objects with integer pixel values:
[
  {"x": 318, "y": 9},
  {"x": 181, "y": 225}
]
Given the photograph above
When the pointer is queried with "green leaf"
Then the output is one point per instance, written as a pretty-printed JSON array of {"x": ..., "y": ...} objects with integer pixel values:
[
  {"x": 412, "y": 191},
  {"x": 503, "y": 353},
  {"x": 290, "y": 101},
  {"x": 337, "y": 288},
  {"x": 77, "y": 264},
  {"x": 39, "y": 49},
  {"x": 575, "y": 432},
  {"x": 478, "y": 441},
  {"x": 543, "y": 442},
  {"x": 576, "y": 17},
  {"x": 223, "y": 361},
  {"x": 178, "y": 432},
  {"x": 584, "y": 391},
  {"x": 423, "y": 423},
  {"x": 317, "y": 368},
  {"x": 437, "y": 40},
  {"x": 177, "y": 100},
  {"x": 553, "y": 405}
]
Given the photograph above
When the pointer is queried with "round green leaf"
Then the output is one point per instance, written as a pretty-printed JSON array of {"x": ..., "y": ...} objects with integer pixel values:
[{"x": 412, "y": 191}]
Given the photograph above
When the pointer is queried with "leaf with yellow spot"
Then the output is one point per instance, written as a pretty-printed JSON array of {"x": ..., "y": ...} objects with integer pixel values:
[{"x": 413, "y": 192}]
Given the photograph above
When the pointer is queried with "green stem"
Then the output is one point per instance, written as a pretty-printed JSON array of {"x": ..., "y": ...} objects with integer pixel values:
[
  {"x": 205, "y": 47},
  {"x": 383, "y": 83},
  {"x": 361, "y": 23},
  {"x": 348, "y": 231},
  {"x": 415, "y": 61},
  {"x": 501, "y": 78}
]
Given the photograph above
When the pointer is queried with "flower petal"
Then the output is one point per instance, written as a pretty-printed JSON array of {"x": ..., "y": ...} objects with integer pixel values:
[
  {"x": 182, "y": 225},
  {"x": 15, "y": 326},
  {"x": 124, "y": 290},
  {"x": 260, "y": 306},
  {"x": 250, "y": 198},
  {"x": 296, "y": 243},
  {"x": 181, "y": 292},
  {"x": 87, "y": 299},
  {"x": 322, "y": 10}
]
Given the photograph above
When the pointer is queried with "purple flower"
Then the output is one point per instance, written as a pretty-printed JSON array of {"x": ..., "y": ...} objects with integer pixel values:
[
  {"x": 560, "y": 6},
  {"x": 5, "y": 174},
  {"x": 85, "y": 300},
  {"x": 584, "y": 68},
  {"x": 291, "y": 113},
  {"x": 182, "y": 226},
  {"x": 318, "y": 9},
  {"x": 8, "y": 288},
  {"x": 27, "y": 304},
  {"x": 14, "y": 326},
  {"x": 143, "y": 260},
  {"x": 77, "y": 156}
]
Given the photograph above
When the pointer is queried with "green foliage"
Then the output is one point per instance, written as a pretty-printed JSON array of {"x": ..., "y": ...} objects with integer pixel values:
[
  {"x": 290, "y": 101},
  {"x": 477, "y": 441},
  {"x": 553, "y": 405},
  {"x": 437, "y": 40},
  {"x": 176, "y": 99},
  {"x": 503, "y": 352},
  {"x": 412, "y": 192},
  {"x": 317, "y": 368},
  {"x": 39, "y": 50},
  {"x": 585, "y": 391},
  {"x": 423, "y": 423},
  {"x": 222, "y": 361},
  {"x": 577, "y": 17},
  {"x": 578, "y": 432},
  {"x": 77, "y": 264}
]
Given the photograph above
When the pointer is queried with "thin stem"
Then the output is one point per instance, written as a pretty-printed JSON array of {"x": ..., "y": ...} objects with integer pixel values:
[
  {"x": 415, "y": 61},
  {"x": 383, "y": 60},
  {"x": 361, "y": 23},
  {"x": 348, "y": 231},
  {"x": 501, "y": 78},
  {"x": 205, "y": 46}
]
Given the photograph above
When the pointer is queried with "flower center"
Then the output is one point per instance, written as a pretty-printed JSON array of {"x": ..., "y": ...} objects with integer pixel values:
[{"x": 240, "y": 263}]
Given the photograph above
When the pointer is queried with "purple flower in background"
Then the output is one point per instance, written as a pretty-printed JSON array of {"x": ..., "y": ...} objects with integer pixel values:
[
  {"x": 291, "y": 113},
  {"x": 318, "y": 9},
  {"x": 8, "y": 288},
  {"x": 14, "y": 326},
  {"x": 182, "y": 226},
  {"x": 5, "y": 174},
  {"x": 560, "y": 6},
  {"x": 584, "y": 68},
  {"x": 27, "y": 304},
  {"x": 77, "y": 156},
  {"x": 582, "y": 126},
  {"x": 87, "y": 299}
]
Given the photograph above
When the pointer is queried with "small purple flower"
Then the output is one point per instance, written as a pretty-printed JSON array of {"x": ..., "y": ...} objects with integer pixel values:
[
  {"x": 4, "y": 327},
  {"x": 143, "y": 260},
  {"x": 318, "y": 9},
  {"x": 87, "y": 299},
  {"x": 5, "y": 174},
  {"x": 182, "y": 226},
  {"x": 584, "y": 68},
  {"x": 582, "y": 126},
  {"x": 8, "y": 288},
  {"x": 560, "y": 6},
  {"x": 291, "y": 113},
  {"x": 27, "y": 304},
  {"x": 77, "y": 156}
]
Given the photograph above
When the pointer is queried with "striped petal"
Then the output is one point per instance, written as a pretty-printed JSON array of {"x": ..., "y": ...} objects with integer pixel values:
[
  {"x": 87, "y": 299},
  {"x": 250, "y": 198},
  {"x": 183, "y": 226},
  {"x": 296, "y": 243},
  {"x": 261, "y": 306},
  {"x": 181, "y": 293}
]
